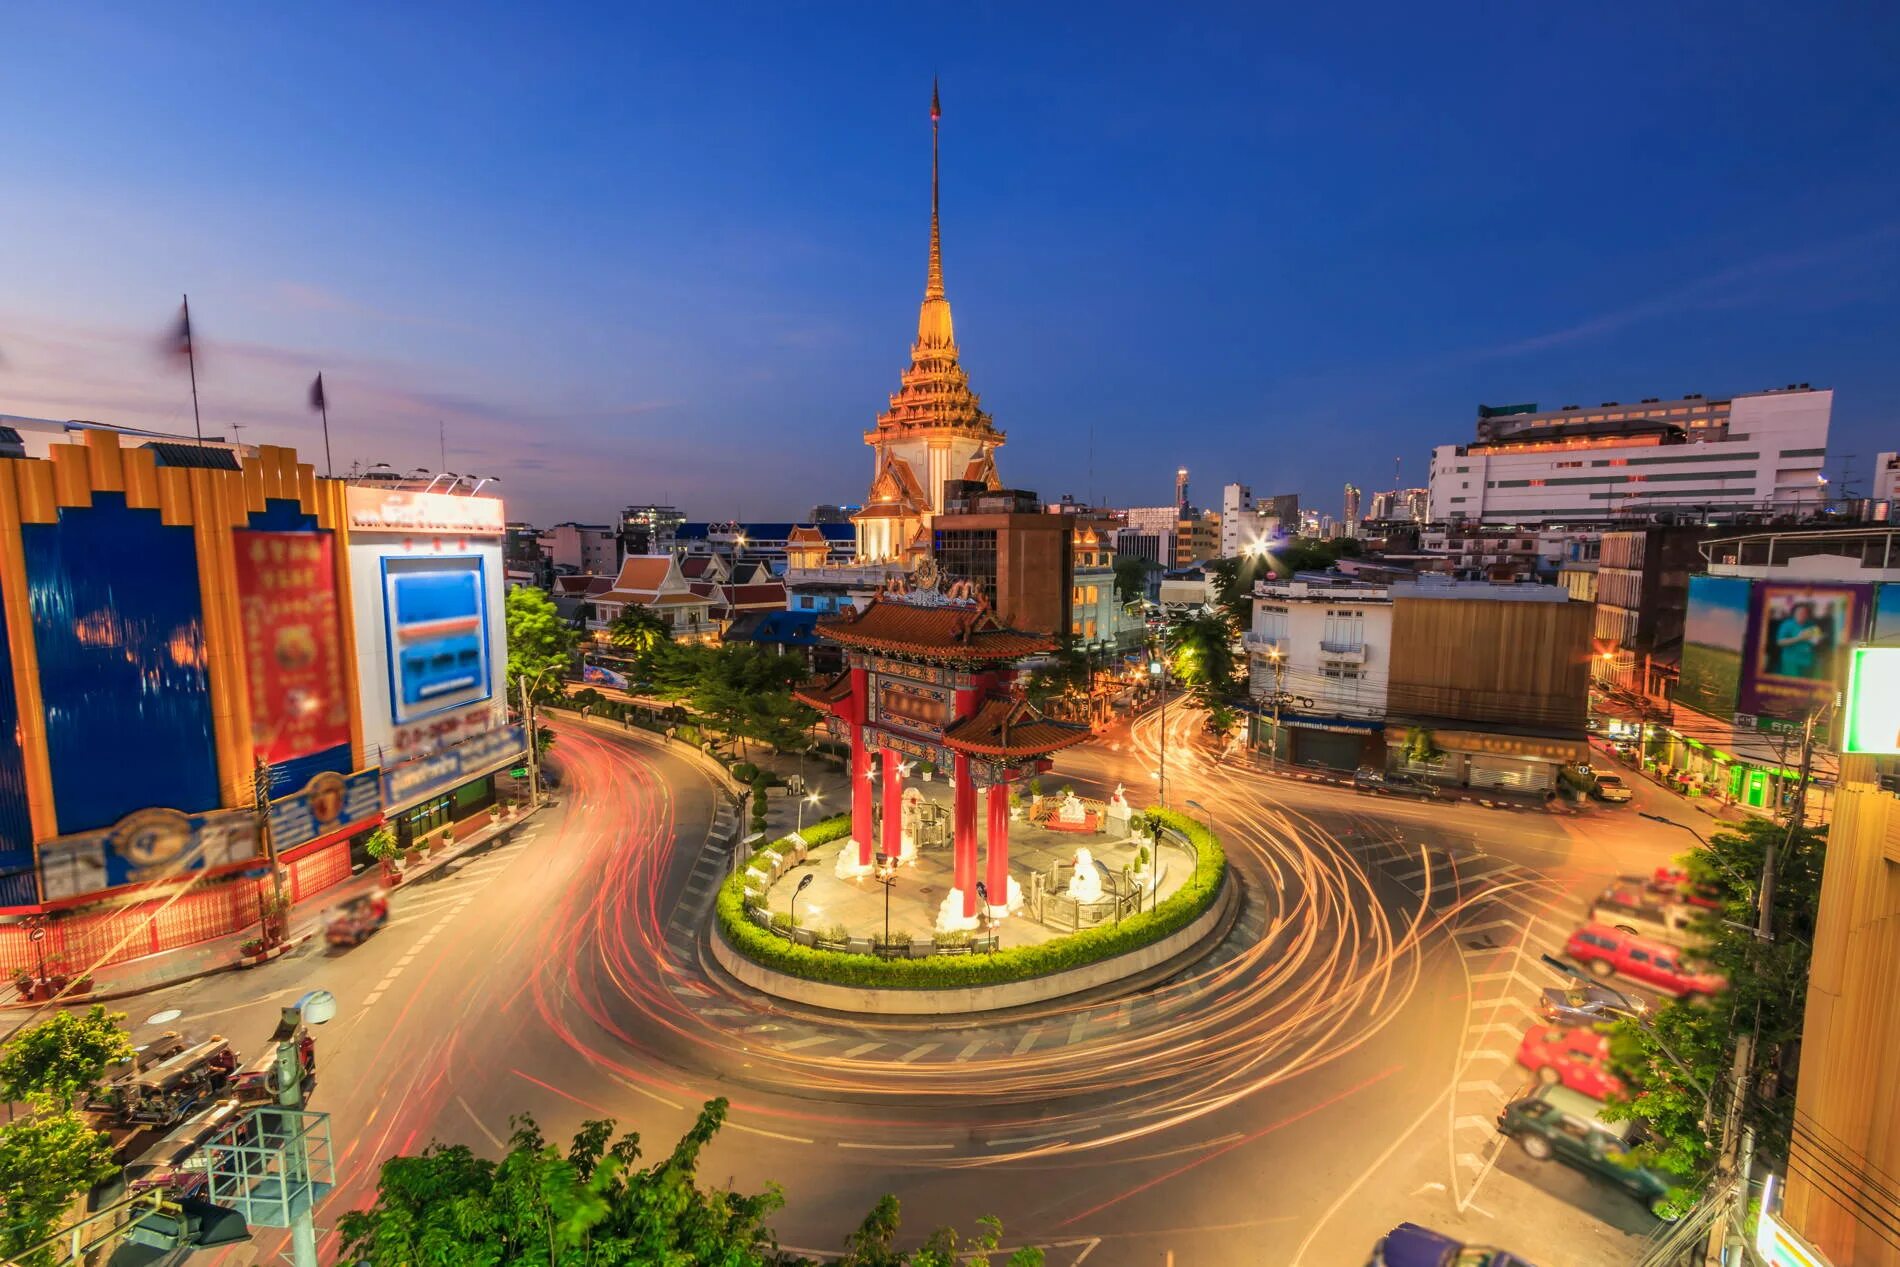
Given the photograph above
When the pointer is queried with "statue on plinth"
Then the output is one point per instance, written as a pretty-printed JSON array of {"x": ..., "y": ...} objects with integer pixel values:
[
  {"x": 1086, "y": 884},
  {"x": 1118, "y": 808}
]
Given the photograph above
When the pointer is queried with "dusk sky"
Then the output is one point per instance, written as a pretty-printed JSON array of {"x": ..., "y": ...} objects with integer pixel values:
[{"x": 677, "y": 256}]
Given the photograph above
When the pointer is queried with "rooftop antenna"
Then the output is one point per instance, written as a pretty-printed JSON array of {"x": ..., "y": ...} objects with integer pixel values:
[{"x": 1397, "y": 480}]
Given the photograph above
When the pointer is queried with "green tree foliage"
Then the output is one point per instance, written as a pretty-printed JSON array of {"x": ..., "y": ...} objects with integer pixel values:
[
  {"x": 47, "y": 1159},
  {"x": 1131, "y": 577},
  {"x": 596, "y": 1206},
  {"x": 1767, "y": 995},
  {"x": 1067, "y": 673},
  {"x": 539, "y": 642},
  {"x": 1201, "y": 658},
  {"x": 740, "y": 691},
  {"x": 1420, "y": 747},
  {"x": 62, "y": 1057},
  {"x": 639, "y": 631}
]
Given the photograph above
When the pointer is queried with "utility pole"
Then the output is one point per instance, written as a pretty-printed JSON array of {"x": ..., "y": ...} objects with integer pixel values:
[
  {"x": 534, "y": 756},
  {"x": 1279, "y": 692},
  {"x": 1161, "y": 776},
  {"x": 260, "y": 792}
]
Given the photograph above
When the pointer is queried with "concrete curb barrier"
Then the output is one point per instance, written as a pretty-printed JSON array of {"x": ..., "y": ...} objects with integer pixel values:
[{"x": 1185, "y": 942}]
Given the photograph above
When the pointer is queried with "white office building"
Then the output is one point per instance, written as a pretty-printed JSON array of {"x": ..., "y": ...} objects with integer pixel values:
[
  {"x": 1321, "y": 650},
  {"x": 1763, "y": 451},
  {"x": 1887, "y": 481},
  {"x": 1237, "y": 528}
]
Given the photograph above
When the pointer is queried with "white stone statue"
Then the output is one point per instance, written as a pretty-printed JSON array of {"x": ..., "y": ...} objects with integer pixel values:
[
  {"x": 1086, "y": 884},
  {"x": 1118, "y": 808},
  {"x": 1071, "y": 810}
]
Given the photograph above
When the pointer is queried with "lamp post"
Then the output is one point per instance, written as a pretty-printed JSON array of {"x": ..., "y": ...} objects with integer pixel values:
[
  {"x": 1159, "y": 669},
  {"x": 804, "y": 882},
  {"x": 886, "y": 875},
  {"x": 1279, "y": 683}
]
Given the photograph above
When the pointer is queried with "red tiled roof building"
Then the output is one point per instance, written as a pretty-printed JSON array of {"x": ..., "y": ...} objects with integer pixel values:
[{"x": 928, "y": 679}]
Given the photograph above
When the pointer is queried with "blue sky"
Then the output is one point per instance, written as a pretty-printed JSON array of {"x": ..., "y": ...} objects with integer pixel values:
[{"x": 676, "y": 253}]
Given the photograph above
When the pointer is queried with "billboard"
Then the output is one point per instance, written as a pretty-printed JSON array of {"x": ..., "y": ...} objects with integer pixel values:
[
  {"x": 429, "y": 776},
  {"x": 436, "y": 614},
  {"x": 1715, "y": 626},
  {"x": 145, "y": 846},
  {"x": 328, "y": 804},
  {"x": 600, "y": 675},
  {"x": 1796, "y": 651},
  {"x": 391, "y": 510},
  {"x": 286, "y": 583},
  {"x": 1873, "y": 702},
  {"x": 1886, "y": 623}
]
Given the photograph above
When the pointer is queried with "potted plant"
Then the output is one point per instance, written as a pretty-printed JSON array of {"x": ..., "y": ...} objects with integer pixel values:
[
  {"x": 494, "y": 812},
  {"x": 1035, "y": 795},
  {"x": 1016, "y": 805},
  {"x": 442, "y": 841},
  {"x": 24, "y": 983},
  {"x": 925, "y": 769},
  {"x": 274, "y": 911},
  {"x": 382, "y": 846}
]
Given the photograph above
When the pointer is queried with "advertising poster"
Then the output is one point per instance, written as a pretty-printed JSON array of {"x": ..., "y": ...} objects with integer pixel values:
[
  {"x": 1714, "y": 628},
  {"x": 328, "y": 804},
  {"x": 437, "y": 618},
  {"x": 600, "y": 675},
  {"x": 1798, "y": 636},
  {"x": 144, "y": 847},
  {"x": 287, "y": 601},
  {"x": 1873, "y": 702},
  {"x": 1886, "y": 615},
  {"x": 430, "y": 776}
]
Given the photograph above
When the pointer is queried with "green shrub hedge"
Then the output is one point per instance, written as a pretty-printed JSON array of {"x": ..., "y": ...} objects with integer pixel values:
[{"x": 1017, "y": 963}]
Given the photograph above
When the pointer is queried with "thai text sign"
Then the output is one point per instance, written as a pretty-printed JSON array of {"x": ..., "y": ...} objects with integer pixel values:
[
  {"x": 427, "y": 776},
  {"x": 328, "y": 804},
  {"x": 287, "y": 601},
  {"x": 1873, "y": 701},
  {"x": 145, "y": 846},
  {"x": 389, "y": 510}
]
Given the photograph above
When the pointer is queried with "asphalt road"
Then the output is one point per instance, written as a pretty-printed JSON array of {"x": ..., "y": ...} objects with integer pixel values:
[{"x": 1329, "y": 1069}]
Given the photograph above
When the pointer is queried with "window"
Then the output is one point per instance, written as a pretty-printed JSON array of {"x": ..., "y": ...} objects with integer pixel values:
[{"x": 1639, "y": 956}]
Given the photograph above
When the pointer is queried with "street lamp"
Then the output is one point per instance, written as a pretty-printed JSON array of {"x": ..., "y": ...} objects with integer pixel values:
[
  {"x": 804, "y": 882},
  {"x": 886, "y": 875},
  {"x": 1158, "y": 668},
  {"x": 803, "y": 801}
]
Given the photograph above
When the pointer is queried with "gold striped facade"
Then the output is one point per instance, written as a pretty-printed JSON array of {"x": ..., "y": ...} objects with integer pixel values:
[{"x": 213, "y": 503}]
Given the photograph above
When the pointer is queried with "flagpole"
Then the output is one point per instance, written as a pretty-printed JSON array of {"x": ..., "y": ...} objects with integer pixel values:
[{"x": 191, "y": 360}]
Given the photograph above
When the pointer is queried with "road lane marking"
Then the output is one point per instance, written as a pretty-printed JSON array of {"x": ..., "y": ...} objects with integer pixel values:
[
  {"x": 754, "y": 1130},
  {"x": 917, "y": 1052},
  {"x": 860, "y": 1049},
  {"x": 1027, "y": 1040},
  {"x": 971, "y": 1050},
  {"x": 486, "y": 1133},
  {"x": 813, "y": 1041},
  {"x": 909, "y": 1148}
]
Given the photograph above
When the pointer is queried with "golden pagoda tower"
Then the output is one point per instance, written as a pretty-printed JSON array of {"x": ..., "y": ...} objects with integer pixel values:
[{"x": 935, "y": 430}]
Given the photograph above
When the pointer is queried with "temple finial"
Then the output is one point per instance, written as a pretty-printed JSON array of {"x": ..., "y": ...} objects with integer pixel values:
[{"x": 933, "y": 285}]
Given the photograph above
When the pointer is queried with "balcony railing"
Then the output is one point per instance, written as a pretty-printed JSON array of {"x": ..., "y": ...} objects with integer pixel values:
[{"x": 1264, "y": 644}]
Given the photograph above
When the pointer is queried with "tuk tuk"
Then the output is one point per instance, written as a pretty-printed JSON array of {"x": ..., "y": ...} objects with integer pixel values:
[{"x": 357, "y": 918}]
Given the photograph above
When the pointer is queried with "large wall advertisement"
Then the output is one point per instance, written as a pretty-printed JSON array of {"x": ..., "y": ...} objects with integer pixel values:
[
  {"x": 1714, "y": 629},
  {"x": 426, "y": 579},
  {"x": 145, "y": 847},
  {"x": 287, "y": 600},
  {"x": 1798, "y": 635},
  {"x": 1886, "y": 623}
]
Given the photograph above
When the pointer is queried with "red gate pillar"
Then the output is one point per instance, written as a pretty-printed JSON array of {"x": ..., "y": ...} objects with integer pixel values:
[
  {"x": 862, "y": 820},
  {"x": 965, "y": 854},
  {"x": 893, "y": 845},
  {"x": 996, "y": 863}
]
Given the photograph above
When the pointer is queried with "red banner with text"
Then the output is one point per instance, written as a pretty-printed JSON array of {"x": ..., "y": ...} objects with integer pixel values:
[{"x": 287, "y": 597}]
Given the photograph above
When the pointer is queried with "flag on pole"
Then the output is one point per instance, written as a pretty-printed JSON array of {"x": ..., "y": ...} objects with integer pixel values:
[
  {"x": 178, "y": 343},
  {"x": 317, "y": 401}
]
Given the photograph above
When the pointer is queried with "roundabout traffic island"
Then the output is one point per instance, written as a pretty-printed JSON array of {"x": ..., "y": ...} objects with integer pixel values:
[{"x": 1091, "y": 910}]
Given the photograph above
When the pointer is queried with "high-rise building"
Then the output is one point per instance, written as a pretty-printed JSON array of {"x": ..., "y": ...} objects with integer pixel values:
[
  {"x": 1181, "y": 487},
  {"x": 1761, "y": 452},
  {"x": 1887, "y": 482},
  {"x": 1017, "y": 559},
  {"x": 829, "y": 514},
  {"x": 1283, "y": 506},
  {"x": 649, "y": 529},
  {"x": 935, "y": 430},
  {"x": 1352, "y": 510},
  {"x": 1309, "y": 521},
  {"x": 1196, "y": 537},
  {"x": 591, "y": 549},
  {"x": 1237, "y": 527},
  {"x": 1157, "y": 522}
]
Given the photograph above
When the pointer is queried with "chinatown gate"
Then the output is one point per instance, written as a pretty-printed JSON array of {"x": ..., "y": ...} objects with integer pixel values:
[{"x": 929, "y": 678}]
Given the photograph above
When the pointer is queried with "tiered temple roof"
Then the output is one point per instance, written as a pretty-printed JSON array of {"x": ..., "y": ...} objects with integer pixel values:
[
  {"x": 1004, "y": 727},
  {"x": 965, "y": 633}
]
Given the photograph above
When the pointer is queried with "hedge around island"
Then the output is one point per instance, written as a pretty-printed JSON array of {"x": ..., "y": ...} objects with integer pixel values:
[{"x": 1016, "y": 963}]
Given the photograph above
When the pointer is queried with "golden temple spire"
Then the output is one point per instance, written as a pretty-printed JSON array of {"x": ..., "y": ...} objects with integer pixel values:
[
  {"x": 933, "y": 287},
  {"x": 934, "y": 328}
]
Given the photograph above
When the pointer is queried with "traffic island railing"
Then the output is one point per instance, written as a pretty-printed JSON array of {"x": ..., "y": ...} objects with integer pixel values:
[{"x": 927, "y": 965}]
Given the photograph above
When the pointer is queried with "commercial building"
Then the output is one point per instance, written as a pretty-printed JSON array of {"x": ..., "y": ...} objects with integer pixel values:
[
  {"x": 1236, "y": 519},
  {"x": 1642, "y": 590},
  {"x": 1196, "y": 537},
  {"x": 1157, "y": 522},
  {"x": 1098, "y": 624},
  {"x": 523, "y": 560},
  {"x": 1351, "y": 521},
  {"x": 1762, "y": 452},
  {"x": 1765, "y": 641},
  {"x": 1016, "y": 559},
  {"x": 212, "y": 629},
  {"x": 1497, "y": 675},
  {"x": 829, "y": 514},
  {"x": 1318, "y": 659},
  {"x": 1284, "y": 508},
  {"x": 649, "y": 528},
  {"x": 772, "y": 543},
  {"x": 582, "y": 549},
  {"x": 1886, "y": 488}
]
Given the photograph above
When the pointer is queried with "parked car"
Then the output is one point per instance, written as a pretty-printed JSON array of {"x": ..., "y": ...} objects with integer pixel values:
[
  {"x": 1605, "y": 950},
  {"x": 1587, "y": 1004},
  {"x": 1409, "y": 1245},
  {"x": 1367, "y": 779},
  {"x": 1578, "y": 1058},
  {"x": 1631, "y": 906},
  {"x": 1610, "y": 788},
  {"x": 1558, "y": 1123},
  {"x": 1676, "y": 882},
  {"x": 1624, "y": 750}
]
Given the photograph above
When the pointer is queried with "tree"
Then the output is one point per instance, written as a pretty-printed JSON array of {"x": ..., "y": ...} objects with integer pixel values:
[
  {"x": 540, "y": 644},
  {"x": 639, "y": 630},
  {"x": 1767, "y": 996},
  {"x": 594, "y": 1206},
  {"x": 1420, "y": 748},
  {"x": 1067, "y": 673},
  {"x": 63, "y": 1056},
  {"x": 1131, "y": 577},
  {"x": 1203, "y": 660},
  {"x": 47, "y": 1159}
]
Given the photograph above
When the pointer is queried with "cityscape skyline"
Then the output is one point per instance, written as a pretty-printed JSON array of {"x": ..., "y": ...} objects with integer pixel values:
[{"x": 763, "y": 292}]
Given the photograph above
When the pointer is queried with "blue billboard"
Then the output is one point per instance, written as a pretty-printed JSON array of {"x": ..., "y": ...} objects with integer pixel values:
[
  {"x": 328, "y": 803},
  {"x": 436, "y": 615},
  {"x": 145, "y": 847},
  {"x": 439, "y": 772}
]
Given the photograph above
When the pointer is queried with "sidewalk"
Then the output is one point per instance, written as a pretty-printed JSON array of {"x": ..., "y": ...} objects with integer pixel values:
[
  {"x": 187, "y": 963},
  {"x": 1708, "y": 806}
]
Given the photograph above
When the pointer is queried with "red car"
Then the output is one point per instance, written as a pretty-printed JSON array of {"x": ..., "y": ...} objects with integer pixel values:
[
  {"x": 1675, "y": 882},
  {"x": 1604, "y": 950},
  {"x": 1578, "y": 1058}
]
